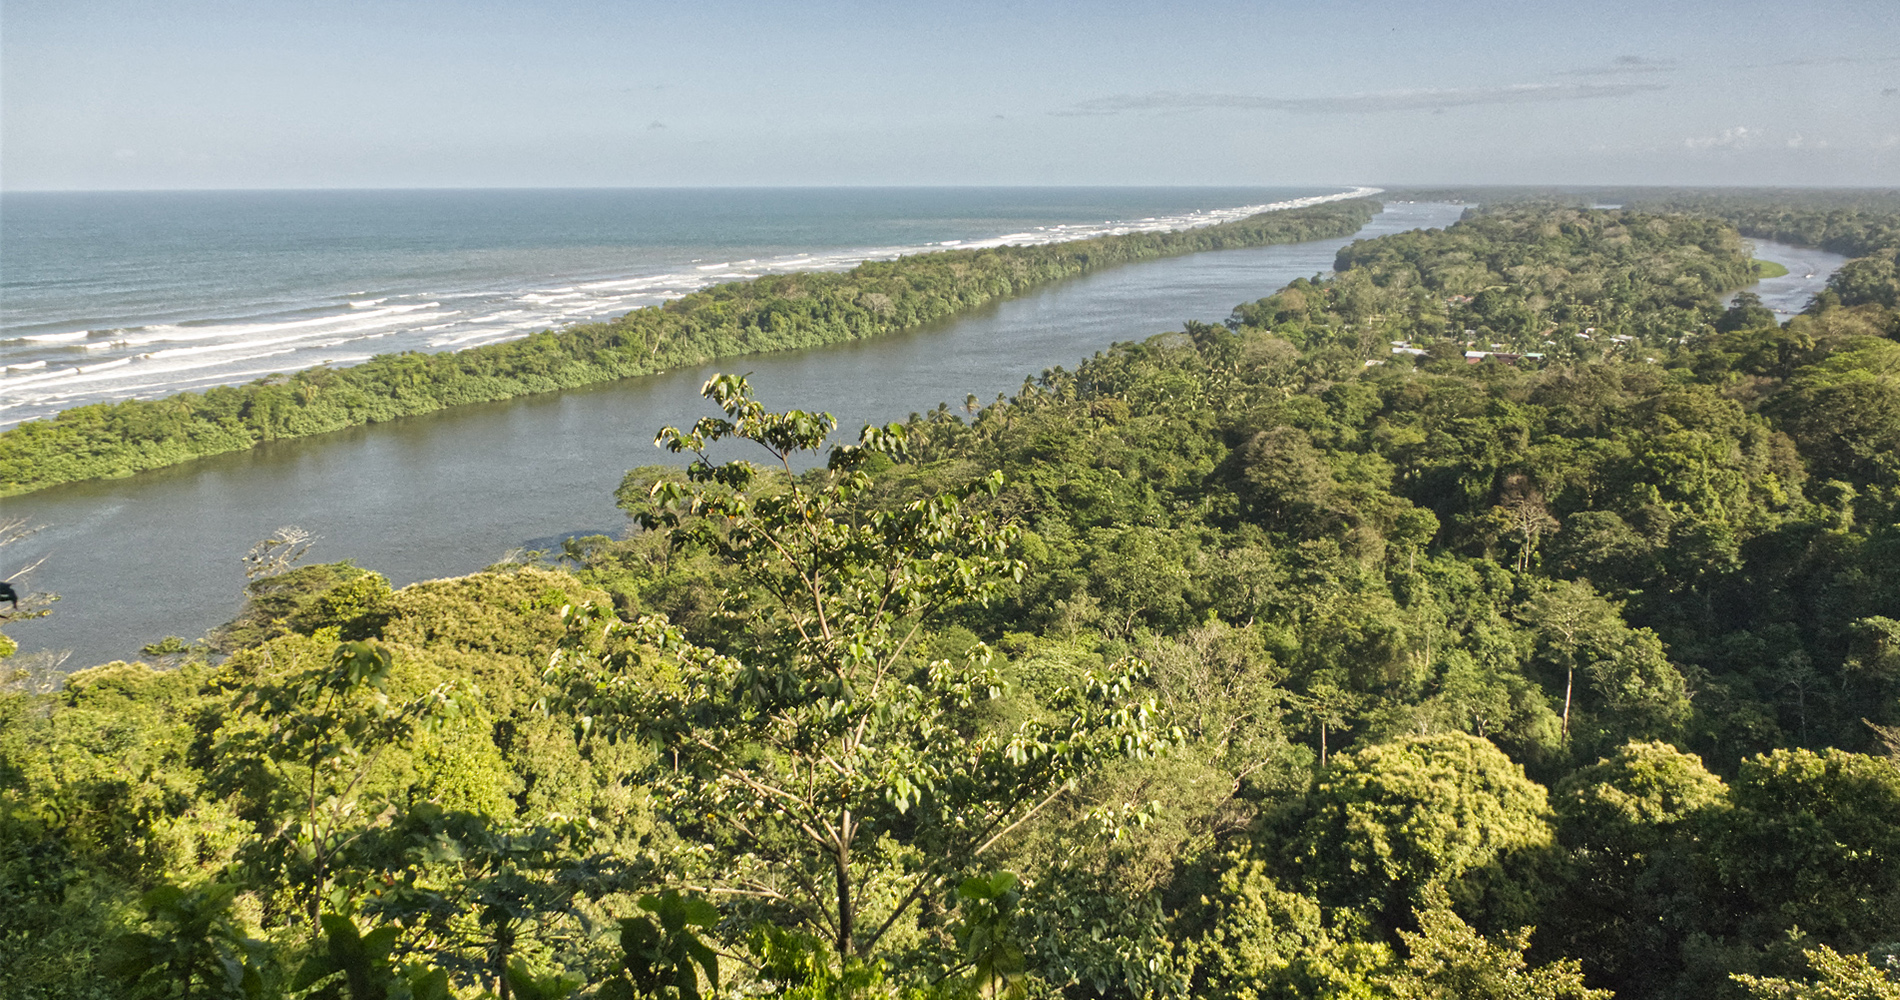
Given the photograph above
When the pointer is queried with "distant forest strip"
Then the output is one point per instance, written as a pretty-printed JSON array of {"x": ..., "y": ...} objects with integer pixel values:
[
  {"x": 1855, "y": 222},
  {"x": 1531, "y": 280},
  {"x": 770, "y": 313},
  {"x": 1863, "y": 224},
  {"x": 1852, "y": 223}
]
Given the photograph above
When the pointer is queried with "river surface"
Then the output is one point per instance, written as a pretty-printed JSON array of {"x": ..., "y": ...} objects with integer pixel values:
[
  {"x": 448, "y": 493},
  {"x": 1808, "y": 271}
]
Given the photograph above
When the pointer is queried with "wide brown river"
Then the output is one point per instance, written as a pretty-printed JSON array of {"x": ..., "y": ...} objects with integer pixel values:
[{"x": 138, "y": 559}]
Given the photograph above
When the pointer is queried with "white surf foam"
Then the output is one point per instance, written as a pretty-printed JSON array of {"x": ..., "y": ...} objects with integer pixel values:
[
  {"x": 159, "y": 358},
  {"x": 56, "y": 338}
]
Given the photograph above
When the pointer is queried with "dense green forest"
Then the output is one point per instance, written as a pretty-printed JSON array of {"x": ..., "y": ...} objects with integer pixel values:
[
  {"x": 1851, "y": 222},
  {"x": 772, "y": 313},
  {"x": 1299, "y": 656}
]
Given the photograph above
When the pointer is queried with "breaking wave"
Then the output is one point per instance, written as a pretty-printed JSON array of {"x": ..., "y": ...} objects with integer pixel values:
[{"x": 42, "y": 373}]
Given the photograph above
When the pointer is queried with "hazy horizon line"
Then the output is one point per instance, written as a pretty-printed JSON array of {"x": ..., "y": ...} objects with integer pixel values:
[{"x": 1387, "y": 187}]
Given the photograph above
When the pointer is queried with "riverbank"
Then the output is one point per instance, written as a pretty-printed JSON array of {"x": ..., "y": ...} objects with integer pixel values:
[
  {"x": 450, "y": 492},
  {"x": 1804, "y": 274},
  {"x": 770, "y": 313}
]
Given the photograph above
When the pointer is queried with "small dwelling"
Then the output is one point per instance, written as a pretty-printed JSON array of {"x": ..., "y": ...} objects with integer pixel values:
[{"x": 1505, "y": 357}]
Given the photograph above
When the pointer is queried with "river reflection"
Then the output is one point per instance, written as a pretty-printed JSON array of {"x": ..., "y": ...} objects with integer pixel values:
[{"x": 448, "y": 493}]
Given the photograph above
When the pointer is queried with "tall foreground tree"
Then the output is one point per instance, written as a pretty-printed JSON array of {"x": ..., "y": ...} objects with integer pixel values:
[{"x": 842, "y": 773}]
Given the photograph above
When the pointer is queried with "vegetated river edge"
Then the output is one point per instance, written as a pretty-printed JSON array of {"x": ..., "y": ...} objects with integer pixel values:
[
  {"x": 450, "y": 492},
  {"x": 768, "y": 313}
]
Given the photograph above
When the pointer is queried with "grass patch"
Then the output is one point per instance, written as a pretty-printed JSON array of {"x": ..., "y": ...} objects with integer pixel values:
[{"x": 1769, "y": 269}]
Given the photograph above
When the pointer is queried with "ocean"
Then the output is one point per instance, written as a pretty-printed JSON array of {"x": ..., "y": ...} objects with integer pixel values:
[{"x": 117, "y": 295}]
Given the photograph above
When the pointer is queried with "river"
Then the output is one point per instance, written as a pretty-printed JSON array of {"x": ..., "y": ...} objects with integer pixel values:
[
  {"x": 448, "y": 493},
  {"x": 1808, "y": 271}
]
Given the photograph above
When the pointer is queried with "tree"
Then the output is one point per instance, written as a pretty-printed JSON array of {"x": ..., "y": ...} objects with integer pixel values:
[
  {"x": 987, "y": 934},
  {"x": 1813, "y": 842},
  {"x": 351, "y": 965},
  {"x": 1570, "y": 613},
  {"x": 1447, "y": 960},
  {"x": 484, "y": 894},
  {"x": 1329, "y": 708},
  {"x": 1641, "y": 694},
  {"x": 1875, "y": 657},
  {"x": 197, "y": 950},
  {"x": 661, "y": 956},
  {"x": 1746, "y": 313},
  {"x": 1889, "y": 737},
  {"x": 1633, "y": 827},
  {"x": 1844, "y": 412},
  {"x": 1842, "y": 977},
  {"x": 1283, "y": 482},
  {"x": 1391, "y": 826},
  {"x": 316, "y": 735},
  {"x": 1260, "y": 930},
  {"x": 1523, "y": 511},
  {"x": 842, "y": 772},
  {"x": 1220, "y": 685}
]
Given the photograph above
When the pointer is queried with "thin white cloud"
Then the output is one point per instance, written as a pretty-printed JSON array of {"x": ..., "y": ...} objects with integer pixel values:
[
  {"x": 1738, "y": 137},
  {"x": 1373, "y": 103},
  {"x": 1622, "y": 65},
  {"x": 1744, "y": 137},
  {"x": 1826, "y": 61}
]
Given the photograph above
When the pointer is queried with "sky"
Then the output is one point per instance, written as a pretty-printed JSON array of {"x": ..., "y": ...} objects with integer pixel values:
[{"x": 218, "y": 94}]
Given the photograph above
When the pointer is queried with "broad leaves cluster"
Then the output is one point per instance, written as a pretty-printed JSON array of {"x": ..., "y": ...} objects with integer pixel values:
[{"x": 848, "y": 772}]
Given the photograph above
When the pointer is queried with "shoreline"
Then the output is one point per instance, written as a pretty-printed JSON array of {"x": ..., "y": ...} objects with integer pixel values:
[
  {"x": 137, "y": 349},
  {"x": 446, "y": 493},
  {"x": 768, "y": 312}
]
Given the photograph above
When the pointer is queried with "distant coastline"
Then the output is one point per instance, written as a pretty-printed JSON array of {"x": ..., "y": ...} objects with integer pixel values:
[
  {"x": 772, "y": 312},
  {"x": 139, "y": 295}
]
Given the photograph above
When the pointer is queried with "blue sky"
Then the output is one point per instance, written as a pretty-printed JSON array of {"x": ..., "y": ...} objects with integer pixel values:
[{"x": 131, "y": 94}]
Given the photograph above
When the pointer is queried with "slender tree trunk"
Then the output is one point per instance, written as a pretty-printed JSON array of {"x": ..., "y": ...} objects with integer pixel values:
[
  {"x": 317, "y": 847},
  {"x": 505, "y": 940},
  {"x": 847, "y": 914},
  {"x": 1801, "y": 705},
  {"x": 1570, "y": 676}
]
